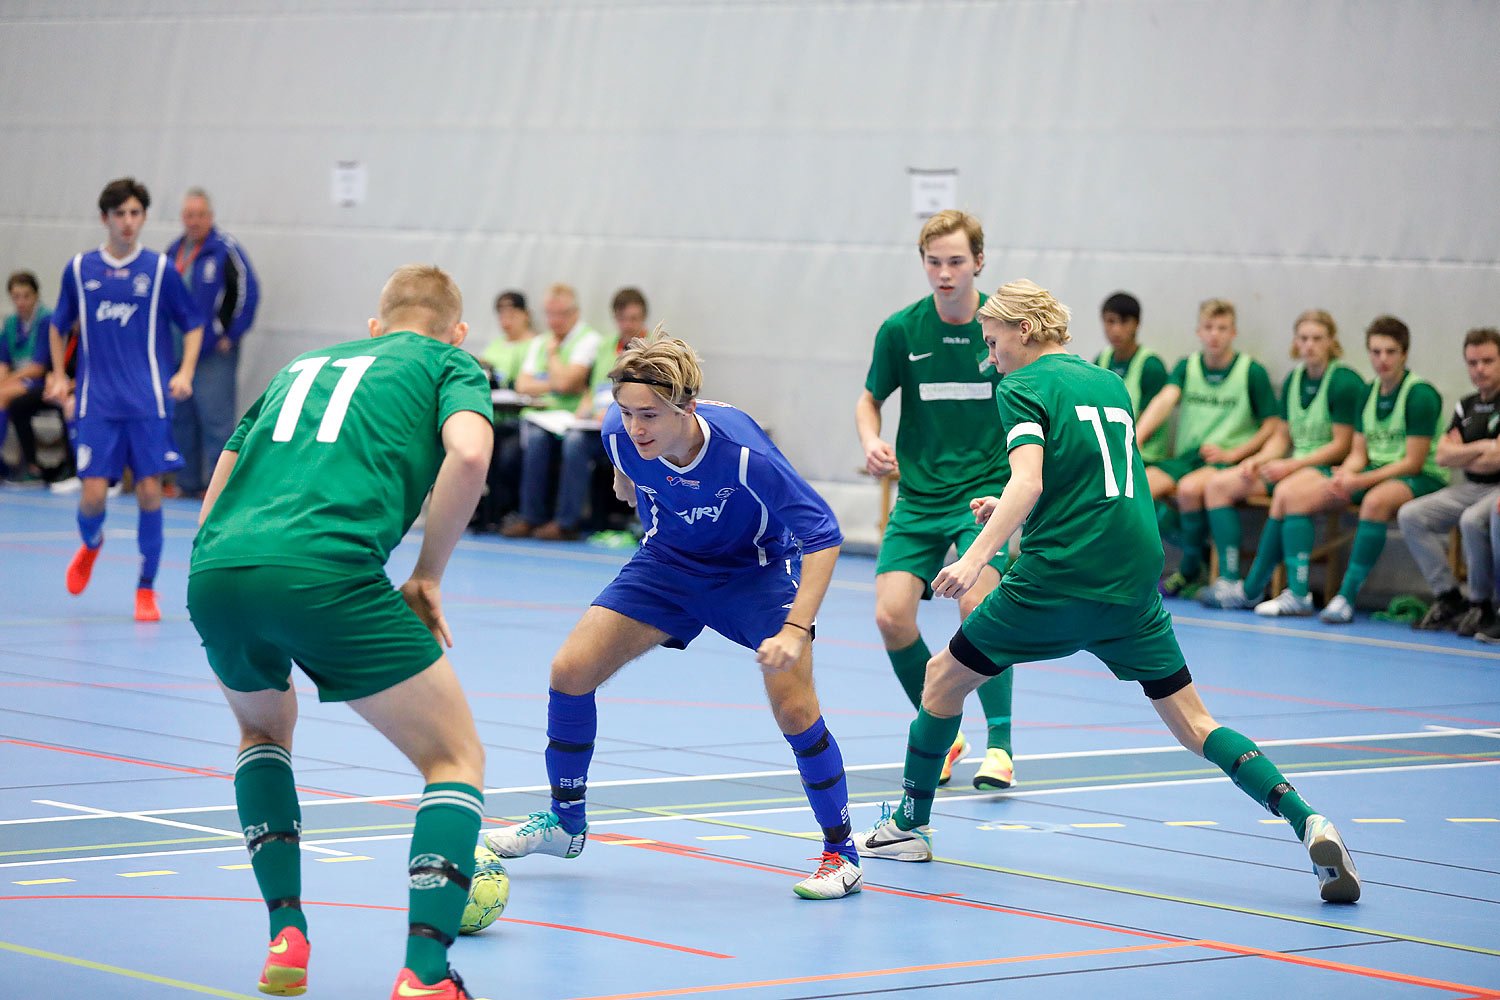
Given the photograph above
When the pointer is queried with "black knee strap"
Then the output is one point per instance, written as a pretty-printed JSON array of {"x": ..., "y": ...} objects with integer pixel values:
[
  {"x": 563, "y": 747},
  {"x": 818, "y": 786},
  {"x": 429, "y": 931},
  {"x": 440, "y": 867},
  {"x": 1165, "y": 687},
  {"x": 816, "y": 748},
  {"x": 256, "y": 843},
  {"x": 295, "y": 902}
]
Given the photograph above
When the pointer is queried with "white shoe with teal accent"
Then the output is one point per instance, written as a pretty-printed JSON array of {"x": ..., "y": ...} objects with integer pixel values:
[
  {"x": 1286, "y": 604},
  {"x": 887, "y": 840},
  {"x": 836, "y": 876},
  {"x": 1225, "y": 595},
  {"x": 539, "y": 833},
  {"x": 1338, "y": 882},
  {"x": 1338, "y": 611}
]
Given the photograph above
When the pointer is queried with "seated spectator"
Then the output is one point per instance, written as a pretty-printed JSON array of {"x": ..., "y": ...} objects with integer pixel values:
[
  {"x": 1470, "y": 444},
  {"x": 503, "y": 356},
  {"x": 1141, "y": 369},
  {"x": 1228, "y": 412},
  {"x": 583, "y": 446},
  {"x": 1392, "y": 461},
  {"x": 556, "y": 371},
  {"x": 23, "y": 368}
]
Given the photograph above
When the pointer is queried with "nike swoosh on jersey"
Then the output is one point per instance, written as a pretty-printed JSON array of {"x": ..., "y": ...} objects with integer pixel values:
[
  {"x": 405, "y": 990},
  {"x": 917, "y": 357}
]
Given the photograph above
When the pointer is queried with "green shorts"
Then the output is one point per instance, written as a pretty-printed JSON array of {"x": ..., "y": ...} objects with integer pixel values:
[
  {"x": 1017, "y": 623},
  {"x": 353, "y": 634},
  {"x": 917, "y": 542},
  {"x": 1420, "y": 485},
  {"x": 1183, "y": 464}
]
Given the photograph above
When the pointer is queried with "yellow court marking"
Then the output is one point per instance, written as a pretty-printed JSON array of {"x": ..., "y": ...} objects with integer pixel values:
[
  {"x": 1272, "y": 821},
  {"x": 727, "y": 836},
  {"x": 1187, "y": 900},
  {"x": 350, "y": 857},
  {"x": 235, "y": 868},
  {"x": 84, "y": 963},
  {"x": 143, "y": 874},
  {"x": 112, "y": 847},
  {"x": 41, "y": 881},
  {"x": 1473, "y": 819},
  {"x": 1094, "y": 826},
  {"x": 1198, "y": 822},
  {"x": 1357, "y": 820}
]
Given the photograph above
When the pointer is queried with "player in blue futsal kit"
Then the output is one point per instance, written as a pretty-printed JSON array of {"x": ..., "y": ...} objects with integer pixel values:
[
  {"x": 736, "y": 541},
  {"x": 125, "y": 299}
]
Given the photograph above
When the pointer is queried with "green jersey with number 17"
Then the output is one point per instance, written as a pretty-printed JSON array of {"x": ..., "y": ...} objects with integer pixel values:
[
  {"x": 1092, "y": 533},
  {"x": 337, "y": 455}
]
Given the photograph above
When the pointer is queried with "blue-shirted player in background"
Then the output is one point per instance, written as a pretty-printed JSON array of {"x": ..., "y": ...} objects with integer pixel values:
[
  {"x": 736, "y": 541},
  {"x": 125, "y": 299}
]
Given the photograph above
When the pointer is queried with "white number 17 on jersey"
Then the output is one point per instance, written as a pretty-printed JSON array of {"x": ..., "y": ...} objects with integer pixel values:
[{"x": 1113, "y": 415}]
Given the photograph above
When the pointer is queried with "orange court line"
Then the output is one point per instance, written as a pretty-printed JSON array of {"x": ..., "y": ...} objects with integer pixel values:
[
  {"x": 940, "y": 967},
  {"x": 1401, "y": 751},
  {"x": 1476, "y": 992}
]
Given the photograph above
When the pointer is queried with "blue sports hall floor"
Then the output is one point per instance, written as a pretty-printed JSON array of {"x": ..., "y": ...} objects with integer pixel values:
[{"x": 1120, "y": 866}]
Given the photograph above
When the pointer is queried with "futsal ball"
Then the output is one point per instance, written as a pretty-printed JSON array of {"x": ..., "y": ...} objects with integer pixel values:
[{"x": 488, "y": 892}]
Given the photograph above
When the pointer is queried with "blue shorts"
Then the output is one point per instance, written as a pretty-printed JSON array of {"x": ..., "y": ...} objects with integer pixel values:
[
  {"x": 107, "y": 445},
  {"x": 747, "y": 607}
]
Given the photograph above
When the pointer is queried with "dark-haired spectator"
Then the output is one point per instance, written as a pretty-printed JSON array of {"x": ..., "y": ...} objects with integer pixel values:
[
  {"x": 22, "y": 371},
  {"x": 582, "y": 447},
  {"x": 1393, "y": 461},
  {"x": 1143, "y": 370},
  {"x": 219, "y": 277},
  {"x": 1472, "y": 443},
  {"x": 503, "y": 355}
]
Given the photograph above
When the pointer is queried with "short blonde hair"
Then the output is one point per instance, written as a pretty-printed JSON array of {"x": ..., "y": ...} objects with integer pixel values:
[
  {"x": 421, "y": 291},
  {"x": 664, "y": 364},
  {"x": 1025, "y": 299},
  {"x": 951, "y": 220},
  {"x": 559, "y": 290},
  {"x": 1323, "y": 319},
  {"x": 1209, "y": 308}
]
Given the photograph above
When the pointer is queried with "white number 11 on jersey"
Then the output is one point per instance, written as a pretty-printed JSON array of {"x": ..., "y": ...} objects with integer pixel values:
[
  {"x": 338, "y": 403},
  {"x": 1113, "y": 415}
]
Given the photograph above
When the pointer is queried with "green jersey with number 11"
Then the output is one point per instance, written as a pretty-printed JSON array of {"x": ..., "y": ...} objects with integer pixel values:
[
  {"x": 1092, "y": 533},
  {"x": 337, "y": 455}
]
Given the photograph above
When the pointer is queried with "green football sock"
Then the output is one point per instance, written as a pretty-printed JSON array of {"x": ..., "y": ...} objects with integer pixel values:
[
  {"x": 1239, "y": 757},
  {"x": 927, "y": 743},
  {"x": 447, "y": 827},
  {"x": 1297, "y": 535},
  {"x": 994, "y": 697},
  {"x": 1266, "y": 558},
  {"x": 910, "y": 665},
  {"x": 266, "y": 796},
  {"x": 1224, "y": 525},
  {"x": 1369, "y": 540},
  {"x": 1194, "y": 534}
]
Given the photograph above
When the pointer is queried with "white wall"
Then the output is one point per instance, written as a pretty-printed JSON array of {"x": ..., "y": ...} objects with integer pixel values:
[{"x": 745, "y": 164}]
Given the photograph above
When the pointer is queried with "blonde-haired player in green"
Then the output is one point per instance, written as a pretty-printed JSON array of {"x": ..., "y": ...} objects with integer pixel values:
[
  {"x": 948, "y": 449},
  {"x": 1085, "y": 580},
  {"x": 322, "y": 478}
]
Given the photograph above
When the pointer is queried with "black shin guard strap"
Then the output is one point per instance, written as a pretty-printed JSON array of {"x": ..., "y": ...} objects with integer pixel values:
[
  {"x": 429, "y": 931},
  {"x": 295, "y": 902},
  {"x": 1274, "y": 796},
  {"x": 816, "y": 748},
  {"x": 255, "y": 843},
  {"x": 837, "y": 834},
  {"x": 818, "y": 786},
  {"x": 447, "y": 870}
]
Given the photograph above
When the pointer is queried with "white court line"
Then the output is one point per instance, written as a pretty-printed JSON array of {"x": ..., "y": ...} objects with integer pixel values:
[
  {"x": 108, "y": 814},
  {"x": 72, "y": 536},
  {"x": 1430, "y": 732},
  {"x": 779, "y": 810},
  {"x": 1356, "y": 640}
]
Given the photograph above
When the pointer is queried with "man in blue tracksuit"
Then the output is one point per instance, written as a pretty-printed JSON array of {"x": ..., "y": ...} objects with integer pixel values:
[{"x": 218, "y": 275}]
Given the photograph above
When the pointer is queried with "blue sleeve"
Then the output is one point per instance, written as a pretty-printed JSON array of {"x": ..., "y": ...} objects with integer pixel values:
[
  {"x": 249, "y": 291},
  {"x": 66, "y": 313},
  {"x": 177, "y": 303},
  {"x": 795, "y": 503},
  {"x": 5, "y": 337}
]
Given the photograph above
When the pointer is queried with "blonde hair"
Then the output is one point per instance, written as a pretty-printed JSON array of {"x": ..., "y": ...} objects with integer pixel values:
[
  {"x": 667, "y": 366},
  {"x": 951, "y": 220},
  {"x": 1209, "y": 308},
  {"x": 1024, "y": 299},
  {"x": 1323, "y": 319},
  {"x": 425, "y": 289},
  {"x": 559, "y": 290}
]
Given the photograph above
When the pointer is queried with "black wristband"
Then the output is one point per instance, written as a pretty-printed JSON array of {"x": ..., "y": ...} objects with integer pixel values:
[{"x": 795, "y": 625}]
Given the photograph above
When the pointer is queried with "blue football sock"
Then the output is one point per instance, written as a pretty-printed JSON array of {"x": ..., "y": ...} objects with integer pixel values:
[
  {"x": 572, "y": 721},
  {"x": 148, "y": 538},
  {"x": 91, "y": 528},
  {"x": 822, "y": 769}
]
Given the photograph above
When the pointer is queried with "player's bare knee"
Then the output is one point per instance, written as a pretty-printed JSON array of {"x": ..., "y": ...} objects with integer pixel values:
[
  {"x": 898, "y": 628},
  {"x": 570, "y": 673}
]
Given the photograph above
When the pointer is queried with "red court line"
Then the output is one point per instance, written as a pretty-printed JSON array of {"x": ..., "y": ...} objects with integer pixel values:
[
  {"x": 837, "y": 976},
  {"x": 376, "y": 906},
  {"x": 1354, "y": 970},
  {"x": 1403, "y": 751}
]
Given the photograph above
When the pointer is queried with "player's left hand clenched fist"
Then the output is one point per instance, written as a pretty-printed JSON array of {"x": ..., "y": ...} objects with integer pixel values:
[
  {"x": 180, "y": 386},
  {"x": 783, "y": 650},
  {"x": 983, "y": 507},
  {"x": 957, "y": 579}
]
